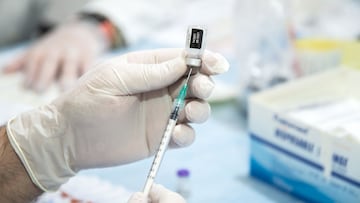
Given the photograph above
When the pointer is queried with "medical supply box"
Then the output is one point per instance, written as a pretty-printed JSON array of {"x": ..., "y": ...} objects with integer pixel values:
[{"x": 300, "y": 158}]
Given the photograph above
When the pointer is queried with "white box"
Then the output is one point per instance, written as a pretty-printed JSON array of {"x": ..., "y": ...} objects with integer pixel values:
[{"x": 296, "y": 157}]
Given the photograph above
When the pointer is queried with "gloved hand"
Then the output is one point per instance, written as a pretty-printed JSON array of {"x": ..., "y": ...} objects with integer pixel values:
[
  {"x": 116, "y": 114},
  {"x": 158, "y": 194},
  {"x": 64, "y": 54}
]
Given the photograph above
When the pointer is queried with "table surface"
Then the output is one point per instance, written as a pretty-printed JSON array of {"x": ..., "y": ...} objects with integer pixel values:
[{"x": 217, "y": 160}]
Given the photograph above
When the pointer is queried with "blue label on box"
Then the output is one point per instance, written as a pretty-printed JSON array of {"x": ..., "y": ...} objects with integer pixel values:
[{"x": 298, "y": 175}]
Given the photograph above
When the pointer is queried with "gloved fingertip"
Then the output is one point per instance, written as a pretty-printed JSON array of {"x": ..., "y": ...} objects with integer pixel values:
[
  {"x": 156, "y": 76},
  {"x": 206, "y": 88},
  {"x": 160, "y": 194},
  {"x": 215, "y": 62},
  {"x": 183, "y": 135},
  {"x": 156, "y": 188},
  {"x": 156, "y": 191},
  {"x": 197, "y": 112},
  {"x": 202, "y": 86},
  {"x": 138, "y": 197}
]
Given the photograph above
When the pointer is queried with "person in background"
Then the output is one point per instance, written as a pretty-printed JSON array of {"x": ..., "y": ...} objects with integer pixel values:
[
  {"x": 115, "y": 114},
  {"x": 67, "y": 40},
  {"x": 85, "y": 29}
]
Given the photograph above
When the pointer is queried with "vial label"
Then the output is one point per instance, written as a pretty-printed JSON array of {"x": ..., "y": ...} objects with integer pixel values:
[{"x": 196, "y": 38}]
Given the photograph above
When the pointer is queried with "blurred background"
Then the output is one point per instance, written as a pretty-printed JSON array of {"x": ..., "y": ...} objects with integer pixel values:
[{"x": 46, "y": 45}]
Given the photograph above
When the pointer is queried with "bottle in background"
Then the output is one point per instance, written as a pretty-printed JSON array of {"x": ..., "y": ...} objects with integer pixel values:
[
  {"x": 183, "y": 183},
  {"x": 264, "y": 45}
]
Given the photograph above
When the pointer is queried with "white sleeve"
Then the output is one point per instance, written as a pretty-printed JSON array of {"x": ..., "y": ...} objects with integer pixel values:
[{"x": 135, "y": 19}]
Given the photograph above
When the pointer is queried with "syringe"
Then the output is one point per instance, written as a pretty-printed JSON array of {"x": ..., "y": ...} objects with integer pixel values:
[
  {"x": 177, "y": 107},
  {"x": 194, "y": 50}
]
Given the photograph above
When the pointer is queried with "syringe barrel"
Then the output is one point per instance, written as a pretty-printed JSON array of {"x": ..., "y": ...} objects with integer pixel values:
[
  {"x": 180, "y": 100},
  {"x": 159, "y": 155}
]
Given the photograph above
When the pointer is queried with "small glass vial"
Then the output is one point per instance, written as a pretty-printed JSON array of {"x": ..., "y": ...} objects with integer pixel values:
[
  {"x": 183, "y": 183},
  {"x": 195, "y": 47}
]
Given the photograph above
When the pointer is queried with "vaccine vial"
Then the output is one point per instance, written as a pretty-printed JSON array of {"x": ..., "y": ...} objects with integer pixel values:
[
  {"x": 183, "y": 183},
  {"x": 195, "y": 47}
]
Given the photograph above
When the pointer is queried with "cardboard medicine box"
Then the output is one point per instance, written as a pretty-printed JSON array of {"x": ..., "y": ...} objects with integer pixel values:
[{"x": 296, "y": 156}]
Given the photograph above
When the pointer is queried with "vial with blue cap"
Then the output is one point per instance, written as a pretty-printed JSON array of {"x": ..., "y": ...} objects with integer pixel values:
[{"x": 183, "y": 183}]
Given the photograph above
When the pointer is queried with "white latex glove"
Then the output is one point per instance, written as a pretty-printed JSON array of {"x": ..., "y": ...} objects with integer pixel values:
[
  {"x": 158, "y": 194},
  {"x": 116, "y": 114},
  {"x": 64, "y": 54}
]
